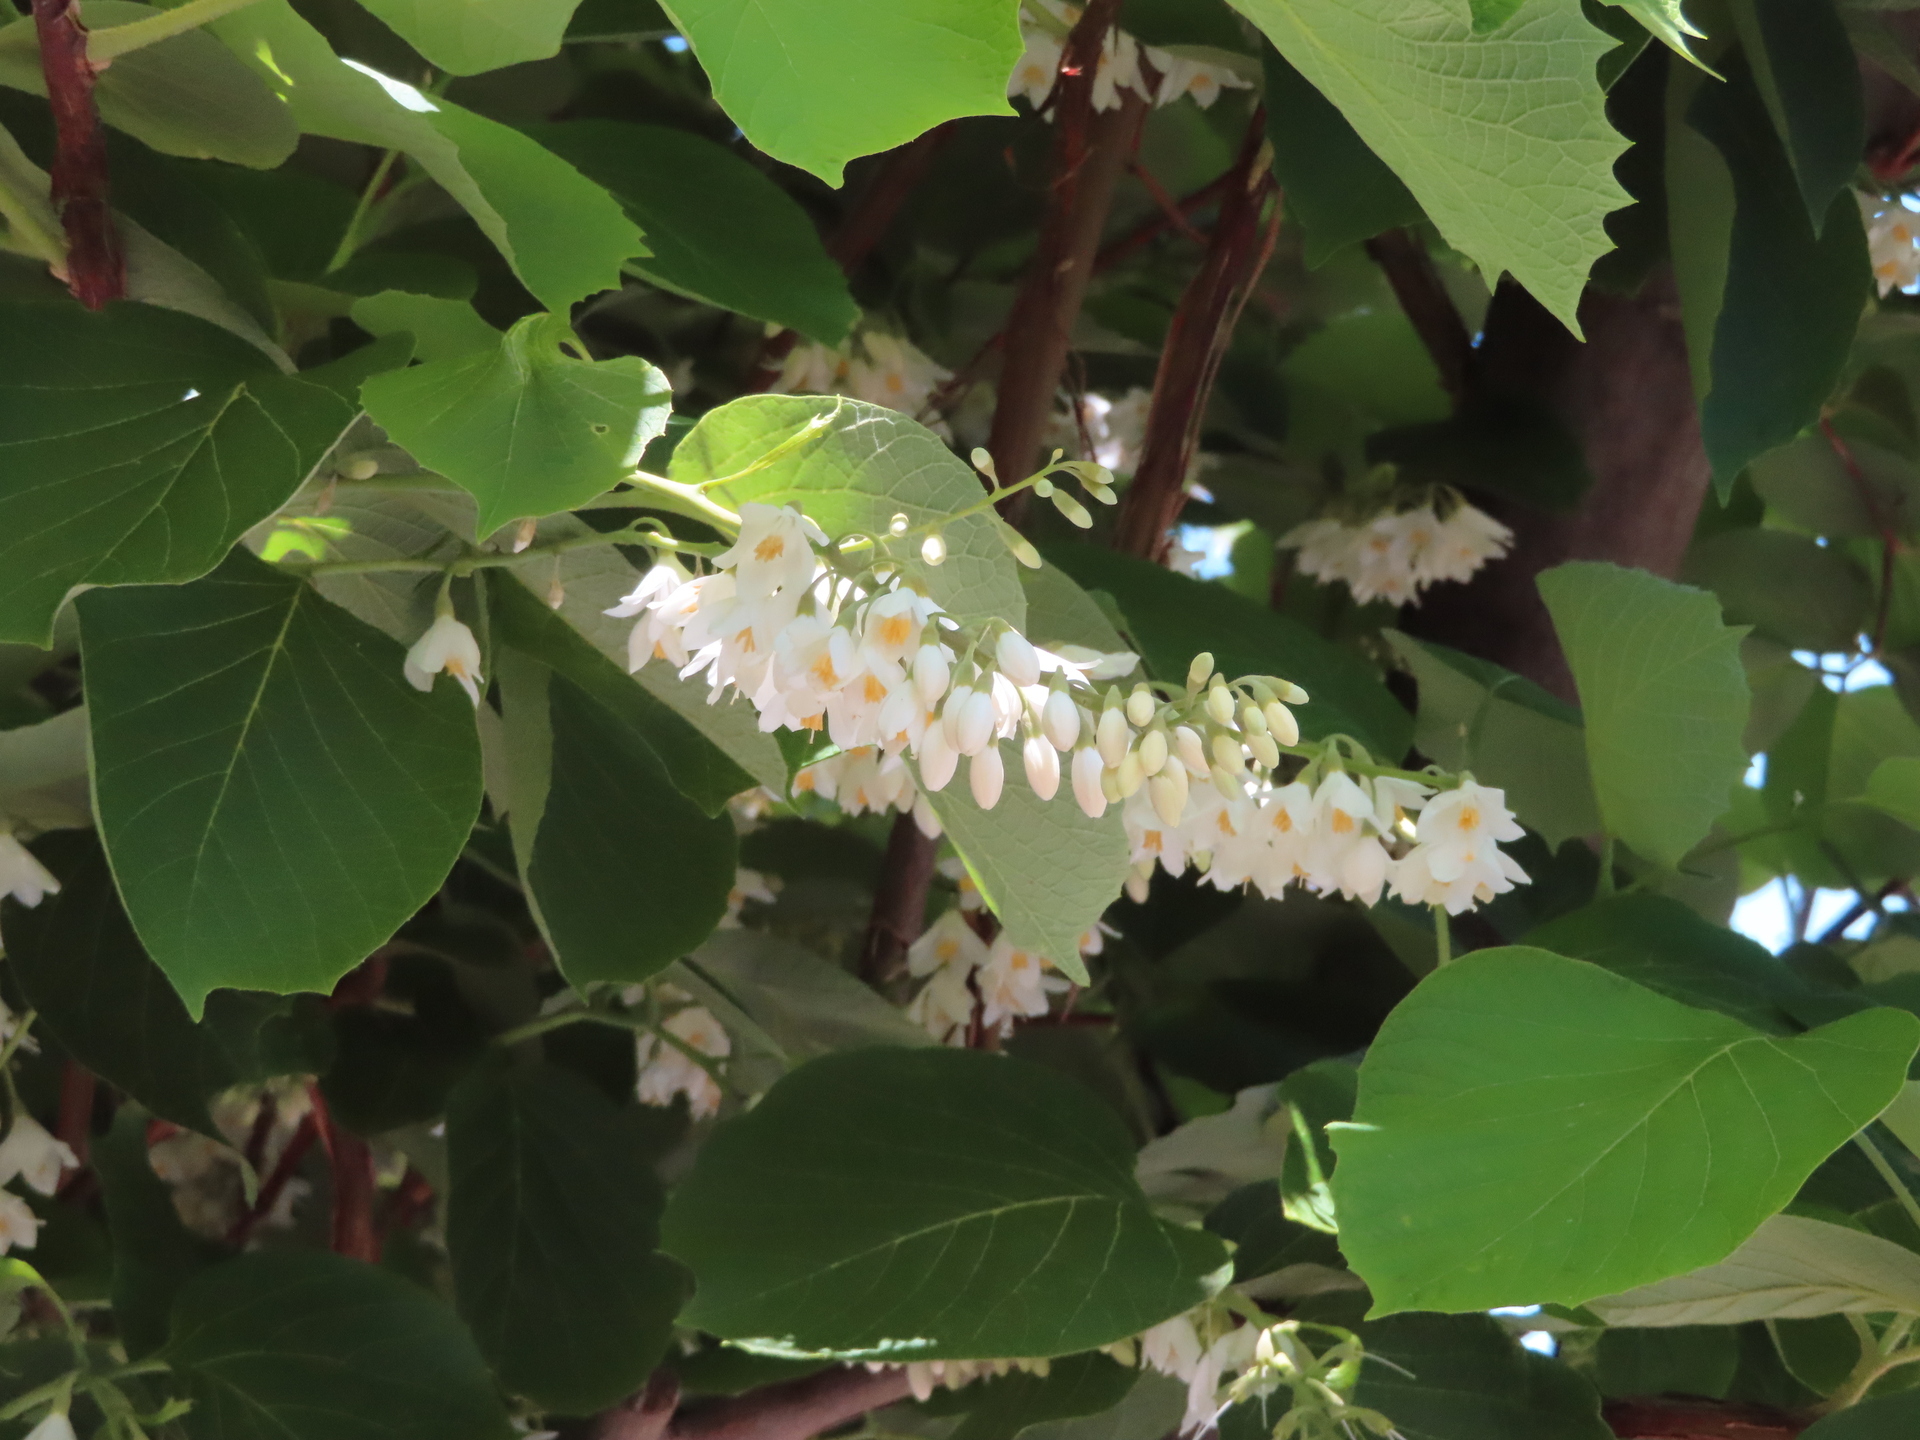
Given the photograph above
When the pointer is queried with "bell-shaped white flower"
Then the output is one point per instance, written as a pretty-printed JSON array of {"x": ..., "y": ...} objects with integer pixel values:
[
  {"x": 667, "y": 1071},
  {"x": 448, "y": 645},
  {"x": 1043, "y": 766},
  {"x": 22, "y": 876},
  {"x": 19, "y": 1226},
  {"x": 32, "y": 1154},
  {"x": 987, "y": 776},
  {"x": 1087, "y": 791}
]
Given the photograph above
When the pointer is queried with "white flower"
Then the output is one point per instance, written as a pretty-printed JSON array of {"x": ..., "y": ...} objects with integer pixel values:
[
  {"x": 19, "y": 1226},
  {"x": 448, "y": 645},
  {"x": 22, "y": 876},
  {"x": 747, "y": 885},
  {"x": 774, "y": 551},
  {"x": 1014, "y": 984},
  {"x": 1172, "y": 1347},
  {"x": 894, "y": 372},
  {"x": 1396, "y": 554},
  {"x": 1893, "y": 242},
  {"x": 1034, "y": 76},
  {"x": 812, "y": 367},
  {"x": 1119, "y": 69},
  {"x": 666, "y": 1071},
  {"x": 1180, "y": 76},
  {"x": 33, "y": 1155},
  {"x": 944, "y": 1007},
  {"x": 54, "y": 1425}
]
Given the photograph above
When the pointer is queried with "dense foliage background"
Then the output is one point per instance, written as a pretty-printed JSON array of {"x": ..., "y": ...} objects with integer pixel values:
[{"x": 959, "y": 718}]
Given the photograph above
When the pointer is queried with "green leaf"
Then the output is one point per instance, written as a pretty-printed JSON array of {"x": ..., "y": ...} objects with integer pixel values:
[
  {"x": 1666, "y": 21},
  {"x": 1151, "y": 1410},
  {"x": 1658, "y": 942},
  {"x": 137, "y": 445},
  {"x": 1682, "y": 1360},
  {"x": 1880, "y": 1417},
  {"x": 1502, "y": 138},
  {"x": 154, "y": 1255},
  {"x": 477, "y": 35},
  {"x": 1894, "y": 788},
  {"x": 1808, "y": 485},
  {"x": 805, "y": 1005},
  {"x": 1790, "y": 1268},
  {"x": 1019, "y": 1231},
  {"x": 851, "y": 467},
  {"x": 1008, "y": 1405},
  {"x": 1171, "y": 618},
  {"x": 84, "y": 972},
  {"x": 717, "y": 228},
  {"x": 552, "y": 1219},
  {"x": 1465, "y": 1377},
  {"x": 275, "y": 798},
  {"x": 441, "y": 329},
  {"x": 817, "y": 84},
  {"x": 698, "y": 768},
  {"x": 1665, "y": 699},
  {"x": 628, "y": 874},
  {"x": 1060, "y": 613},
  {"x": 526, "y": 428},
  {"x": 1047, "y": 869},
  {"x": 1532, "y": 1129},
  {"x": 565, "y": 237},
  {"x": 1792, "y": 295},
  {"x": 1508, "y": 731},
  {"x": 1803, "y": 63},
  {"x": 187, "y": 95},
  {"x": 1337, "y": 188},
  {"x": 306, "y": 1346},
  {"x": 1790, "y": 588}
]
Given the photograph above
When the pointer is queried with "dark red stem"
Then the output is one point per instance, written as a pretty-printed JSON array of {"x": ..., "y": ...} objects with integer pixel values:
[{"x": 96, "y": 267}]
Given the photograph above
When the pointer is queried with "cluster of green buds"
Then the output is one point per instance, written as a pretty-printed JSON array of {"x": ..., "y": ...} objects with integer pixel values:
[
  {"x": 1163, "y": 737},
  {"x": 1095, "y": 479}
]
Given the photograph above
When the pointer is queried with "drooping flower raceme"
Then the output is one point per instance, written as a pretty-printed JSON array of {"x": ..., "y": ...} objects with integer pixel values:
[
  {"x": 968, "y": 979},
  {"x": 1157, "y": 76},
  {"x": 878, "y": 367},
  {"x": 1893, "y": 242},
  {"x": 1398, "y": 553},
  {"x": 667, "y": 1070}
]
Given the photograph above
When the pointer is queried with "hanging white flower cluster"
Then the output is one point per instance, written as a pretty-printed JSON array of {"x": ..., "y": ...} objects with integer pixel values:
[
  {"x": 926, "y": 1376},
  {"x": 1124, "y": 63},
  {"x": 32, "y": 1156},
  {"x": 668, "y": 1069},
  {"x": 882, "y": 669},
  {"x": 967, "y": 978},
  {"x": 22, "y": 876},
  {"x": 1115, "y": 429},
  {"x": 1399, "y": 552},
  {"x": 209, "y": 1180},
  {"x": 875, "y": 366},
  {"x": 1893, "y": 242}
]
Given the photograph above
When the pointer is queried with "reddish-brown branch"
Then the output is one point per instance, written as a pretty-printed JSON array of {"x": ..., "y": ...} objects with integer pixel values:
[
  {"x": 644, "y": 1416},
  {"x": 74, "y": 1125},
  {"x": 1197, "y": 340},
  {"x": 793, "y": 1409},
  {"x": 1149, "y": 229},
  {"x": 96, "y": 268},
  {"x": 351, "y": 1160},
  {"x": 284, "y": 1169},
  {"x": 1672, "y": 1420},
  {"x": 899, "y": 901},
  {"x": 1436, "y": 319},
  {"x": 1170, "y": 209},
  {"x": 1090, "y": 150}
]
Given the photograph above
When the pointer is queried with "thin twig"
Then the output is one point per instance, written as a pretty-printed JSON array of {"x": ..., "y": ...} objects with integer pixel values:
[
  {"x": 793, "y": 1409},
  {"x": 1428, "y": 306},
  {"x": 1881, "y": 521},
  {"x": 899, "y": 900},
  {"x": 96, "y": 267}
]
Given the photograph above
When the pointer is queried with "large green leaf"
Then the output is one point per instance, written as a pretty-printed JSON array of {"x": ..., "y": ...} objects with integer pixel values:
[
  {"x": 565, "y": 237},
  {"x": 137, "y": 445},
  {"x": 552, "y": 1218},
  {"x": 931, "y": 1204},
  {"x": 627, "y": 873},
  {"x": 1506, "y": 730},
  {"x": 1789, "y": 588},
  {"x": 1337, "y": 188},
  {"x": 276, "y": 799},
  {"x": 1880, "y": 1417},
  {"x": 1791, "y": 296},
  {"x": 1792, "y": 1267},
  {"x": 717, "y": 229},
  {"x": 84, "y": 972},
  {"x": 306, "y": 1346},
  {"x": 1465, "y": 1377},
  {"x": 1046, "y": 868},
  {"x": 527, "y": 428},
  {"x": 1501, "y": 137},
  {"x": 1171, "y": 618},
  {"x": 817, "y": 82},
  {"x": 1665, "y": 699},
  {"x": 852, "y": 467},
  {"x": 477, "y": 35},
  {"x": 1809, "y": 77},
  {"x": 1535, "y": 1129},
  {"x": 187, "y": 95}
]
